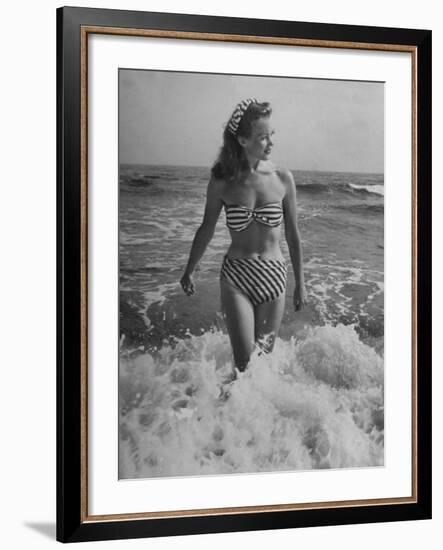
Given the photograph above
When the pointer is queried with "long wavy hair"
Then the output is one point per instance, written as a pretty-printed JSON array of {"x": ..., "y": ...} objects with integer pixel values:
[{"x": 231, "y": 160}]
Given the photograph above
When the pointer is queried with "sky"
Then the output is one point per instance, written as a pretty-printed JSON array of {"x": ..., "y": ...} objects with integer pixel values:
[{"x": 177, "y": 118}]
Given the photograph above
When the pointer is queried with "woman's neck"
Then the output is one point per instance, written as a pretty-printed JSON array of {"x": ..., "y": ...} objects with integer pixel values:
[{"x": 253, "y": 164}]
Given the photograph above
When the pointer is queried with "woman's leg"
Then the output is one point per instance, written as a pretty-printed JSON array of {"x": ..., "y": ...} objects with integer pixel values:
[
  {"x": 238, "y": 312},
  {"x": 268, "y": 318}
]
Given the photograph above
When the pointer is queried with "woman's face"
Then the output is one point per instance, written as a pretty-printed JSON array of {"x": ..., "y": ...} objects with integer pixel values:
[{"x": 259, "y": 144}]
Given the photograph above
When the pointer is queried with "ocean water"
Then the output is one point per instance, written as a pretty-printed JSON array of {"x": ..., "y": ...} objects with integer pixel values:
[{"x": 316, "y": 402}]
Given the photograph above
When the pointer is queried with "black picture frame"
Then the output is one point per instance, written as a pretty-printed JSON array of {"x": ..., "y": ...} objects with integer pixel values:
[{"x": 73, "y": 523}]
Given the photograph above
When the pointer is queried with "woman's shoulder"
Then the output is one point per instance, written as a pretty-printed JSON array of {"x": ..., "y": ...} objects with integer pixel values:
[
  {"x": 218, "y": 182},
  {"x": 271, "y": 167},
  {"x": 285, "y": 175},
  {"x": 216, "y": 185}
]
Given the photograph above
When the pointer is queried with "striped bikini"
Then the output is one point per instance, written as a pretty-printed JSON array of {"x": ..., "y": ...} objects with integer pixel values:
[
  {"x": 239, "y": 217},
  {"x": 261, "y": 280}
]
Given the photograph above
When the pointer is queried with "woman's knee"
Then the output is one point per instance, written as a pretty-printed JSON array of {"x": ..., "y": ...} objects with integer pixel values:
[
  {"x": 242, "y": 365},
  {"x": 242, "y": 355},
  {"x": 266, "y": 342}
]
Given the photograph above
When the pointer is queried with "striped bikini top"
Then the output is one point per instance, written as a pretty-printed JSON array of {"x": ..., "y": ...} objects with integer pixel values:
[{"x": 239, "y": 217}]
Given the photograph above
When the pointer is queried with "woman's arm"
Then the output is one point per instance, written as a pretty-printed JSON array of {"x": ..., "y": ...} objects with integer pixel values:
[
  {"x": 293, "y": 238},
  {"x": 204, "y": 233}
]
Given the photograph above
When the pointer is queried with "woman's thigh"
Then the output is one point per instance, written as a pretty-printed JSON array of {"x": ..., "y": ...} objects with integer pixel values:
[
  {"x": 268, "y": 318},
  {"x": 238, "y": 312}
]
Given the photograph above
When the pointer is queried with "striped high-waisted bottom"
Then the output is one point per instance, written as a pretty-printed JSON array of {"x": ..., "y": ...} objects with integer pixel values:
[{"x": 260, "y": 280}]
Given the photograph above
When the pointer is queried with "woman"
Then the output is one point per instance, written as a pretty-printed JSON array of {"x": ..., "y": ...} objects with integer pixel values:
[{"x": 257, "y": 198}]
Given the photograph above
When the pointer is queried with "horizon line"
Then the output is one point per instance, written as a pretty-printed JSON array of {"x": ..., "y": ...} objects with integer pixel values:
[{"x": 291, "y": 169}]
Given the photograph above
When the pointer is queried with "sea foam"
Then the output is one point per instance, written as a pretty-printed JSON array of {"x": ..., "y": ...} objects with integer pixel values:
[{"x": 314, "y": 403}]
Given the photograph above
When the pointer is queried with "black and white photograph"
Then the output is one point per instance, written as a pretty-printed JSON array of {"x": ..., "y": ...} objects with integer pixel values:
[
  {"x": 251, "y": 274},
  {"x": 219, "y": 246}
]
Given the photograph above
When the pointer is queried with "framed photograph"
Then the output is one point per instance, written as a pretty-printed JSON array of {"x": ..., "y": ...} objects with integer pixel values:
[{"x": 244, "y": 274}]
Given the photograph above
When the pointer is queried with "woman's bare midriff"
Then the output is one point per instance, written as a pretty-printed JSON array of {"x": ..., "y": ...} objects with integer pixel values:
[{"x": 258, "y": 242}]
